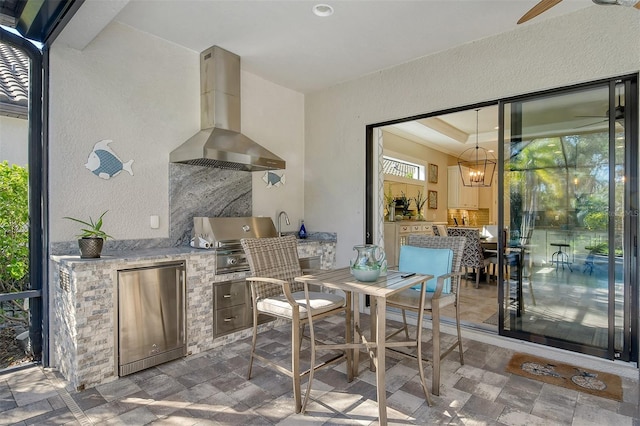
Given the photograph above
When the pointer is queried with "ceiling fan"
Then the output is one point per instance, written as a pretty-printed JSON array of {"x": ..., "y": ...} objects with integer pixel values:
[
  {"x": 545, "y": 5},
  {"x": 618, "y": 112}
]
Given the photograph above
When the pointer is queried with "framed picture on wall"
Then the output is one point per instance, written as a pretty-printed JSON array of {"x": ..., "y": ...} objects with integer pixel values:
[
  {"x": 433, "y": 173},
  {"x": 433, "y": 199}
]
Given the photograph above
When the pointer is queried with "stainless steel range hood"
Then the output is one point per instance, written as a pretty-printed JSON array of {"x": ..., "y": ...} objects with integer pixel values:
[{"x": 220, "y": 143}]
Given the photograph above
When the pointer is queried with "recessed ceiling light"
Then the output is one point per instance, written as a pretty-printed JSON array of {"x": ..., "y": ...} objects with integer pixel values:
[{"x": 322, "y": 10}]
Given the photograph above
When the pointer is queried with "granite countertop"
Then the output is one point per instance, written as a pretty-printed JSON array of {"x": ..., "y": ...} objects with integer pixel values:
[
  {"x": 131, "y": 255},
  {"x": 313, "y": 237},
  {"x": 163, "y": 252}
]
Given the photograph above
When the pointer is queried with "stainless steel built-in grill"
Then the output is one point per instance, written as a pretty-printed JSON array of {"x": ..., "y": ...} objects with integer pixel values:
[
  {"x": 231, "y": 299},
  {"x": 224, "y": 235}
]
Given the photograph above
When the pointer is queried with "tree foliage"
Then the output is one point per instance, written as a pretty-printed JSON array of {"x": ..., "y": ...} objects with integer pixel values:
[
  {"x": 14, "y": 222},
  {"x": 566, "y": 177},
  {"x": 14, "y": 230}
]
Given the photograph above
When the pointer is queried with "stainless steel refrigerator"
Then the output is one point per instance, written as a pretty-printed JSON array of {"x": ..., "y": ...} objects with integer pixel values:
[{"x": 151, "y": 316}]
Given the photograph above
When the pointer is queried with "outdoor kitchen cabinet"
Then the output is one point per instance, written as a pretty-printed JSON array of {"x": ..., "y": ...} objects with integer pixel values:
[
  {"x": 232, "y": 306},
  {"x": 84, "y": 300}
]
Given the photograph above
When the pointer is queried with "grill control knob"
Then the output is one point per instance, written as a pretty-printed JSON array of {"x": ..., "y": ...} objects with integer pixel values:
[
  {"x": 232, "y": 261},
  {"x": 246, "y": 228}
]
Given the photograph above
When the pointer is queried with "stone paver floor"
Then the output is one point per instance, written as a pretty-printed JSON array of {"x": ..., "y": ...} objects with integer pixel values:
[{"x": 210, "y": 388}]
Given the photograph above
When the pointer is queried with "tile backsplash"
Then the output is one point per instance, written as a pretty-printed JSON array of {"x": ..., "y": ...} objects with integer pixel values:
[
  {"x": 472, "y": 217},
  {"x": 207, "y": 192}
]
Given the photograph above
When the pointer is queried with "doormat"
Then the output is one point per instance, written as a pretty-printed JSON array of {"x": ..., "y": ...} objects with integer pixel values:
[{"x": 593, "y": 382}]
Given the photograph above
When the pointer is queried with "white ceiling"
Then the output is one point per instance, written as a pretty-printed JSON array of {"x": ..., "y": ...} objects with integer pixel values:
[
  {"x": 284, "y": 42},
  {"x": 453, "y": 133}
]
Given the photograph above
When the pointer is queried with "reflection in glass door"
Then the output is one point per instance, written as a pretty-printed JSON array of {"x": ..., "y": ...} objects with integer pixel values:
[{"x": 568, "y": 248}]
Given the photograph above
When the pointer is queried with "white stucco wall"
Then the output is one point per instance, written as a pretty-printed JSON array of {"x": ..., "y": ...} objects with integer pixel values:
[
  {"x": 588, "y": 45},
  {"x": 274, "y": 117},
  {"x": 143, "y": 93},
  {"x": 14, "y": 140}
]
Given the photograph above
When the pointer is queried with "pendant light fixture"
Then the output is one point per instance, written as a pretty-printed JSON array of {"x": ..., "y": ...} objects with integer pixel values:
[{"x": 477, "y": 165}]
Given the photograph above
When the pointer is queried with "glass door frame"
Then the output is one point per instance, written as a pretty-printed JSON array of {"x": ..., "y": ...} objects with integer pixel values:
[
  {"x": 632, "y": 263},
  {"x": 630, "y": 221}
]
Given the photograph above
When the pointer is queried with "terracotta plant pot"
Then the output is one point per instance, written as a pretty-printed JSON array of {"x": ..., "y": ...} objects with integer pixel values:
[{"x": 90, "y": 248}]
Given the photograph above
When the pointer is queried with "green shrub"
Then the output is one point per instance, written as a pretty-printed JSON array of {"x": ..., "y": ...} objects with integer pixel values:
[
  {"x": 596, "y": 221},
  {"x": 603, "y": 249}
]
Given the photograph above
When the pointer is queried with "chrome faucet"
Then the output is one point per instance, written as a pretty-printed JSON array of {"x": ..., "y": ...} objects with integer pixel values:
[{"x": 286, "y": 219}]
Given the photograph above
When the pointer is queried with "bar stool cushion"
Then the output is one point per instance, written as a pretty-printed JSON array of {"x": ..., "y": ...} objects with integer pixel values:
[
  {"x": 412, "y": 298},
  {"x": 320, "y": 303}
]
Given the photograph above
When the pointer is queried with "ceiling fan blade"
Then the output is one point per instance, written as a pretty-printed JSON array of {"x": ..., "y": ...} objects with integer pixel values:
[
  {"x": 536, "y": 10},
  {"x": 637, "y": 6},
  {"x": 592, "y": 124}
]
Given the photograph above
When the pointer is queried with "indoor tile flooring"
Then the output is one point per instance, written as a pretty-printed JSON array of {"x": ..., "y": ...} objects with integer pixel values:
[
  {"x": 210, "y": 388},
  {"x": 478, "y": 304}
]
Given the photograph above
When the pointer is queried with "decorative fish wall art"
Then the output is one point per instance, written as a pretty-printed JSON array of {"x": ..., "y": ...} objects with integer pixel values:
[
  {"x": 273, "y": 179},
  {"x": 105, "y": 163}
]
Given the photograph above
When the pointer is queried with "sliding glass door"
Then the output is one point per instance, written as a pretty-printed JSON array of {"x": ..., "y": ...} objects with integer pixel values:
[{"x": 568, "y": 181}]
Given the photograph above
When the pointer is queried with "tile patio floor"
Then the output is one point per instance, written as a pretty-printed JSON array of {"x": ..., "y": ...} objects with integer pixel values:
[{"x": 210, "y": 389}]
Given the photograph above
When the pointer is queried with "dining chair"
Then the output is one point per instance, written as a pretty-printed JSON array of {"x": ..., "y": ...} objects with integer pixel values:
[
  {"x": 489, "y": 231},
  {"x": 473, "y": 256},
  {"x": 512, "y": 258},
  {"x": 439, "y": 230},
  {"x": 274, "y": 265},
  {"x": 493, "y": 255},
  {"x": 441, "y": 257}
]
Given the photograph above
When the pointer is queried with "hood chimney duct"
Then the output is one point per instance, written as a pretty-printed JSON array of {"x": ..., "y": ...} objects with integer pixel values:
[{"x": 220, "y": 143}]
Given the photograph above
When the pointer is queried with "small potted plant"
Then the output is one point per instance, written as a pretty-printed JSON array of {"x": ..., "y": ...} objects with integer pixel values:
[
  {"x": 92, "y": 237},
  {"x": 420, "y": 199},
  {"x": 406, "y": 205}
]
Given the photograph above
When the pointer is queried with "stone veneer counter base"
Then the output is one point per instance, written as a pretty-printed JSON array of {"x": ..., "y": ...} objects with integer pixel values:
[{"x": 84, "y": 306}]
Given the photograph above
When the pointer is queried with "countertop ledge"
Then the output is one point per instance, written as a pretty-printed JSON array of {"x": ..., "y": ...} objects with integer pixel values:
[
  {"x": 118, "y": 256},
  {"x": 155, "y": 253}
]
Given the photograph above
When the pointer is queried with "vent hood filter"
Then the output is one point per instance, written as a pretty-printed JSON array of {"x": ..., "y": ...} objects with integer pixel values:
[{"x": 220, "y": 143}]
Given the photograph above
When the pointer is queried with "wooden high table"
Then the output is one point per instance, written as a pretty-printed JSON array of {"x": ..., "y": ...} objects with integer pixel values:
[{"x": 394, "y": 282}]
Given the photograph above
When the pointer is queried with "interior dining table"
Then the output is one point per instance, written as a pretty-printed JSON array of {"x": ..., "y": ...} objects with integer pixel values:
[{"x": 378, "y": 290}]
